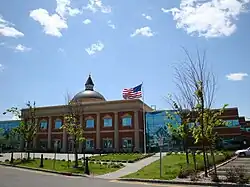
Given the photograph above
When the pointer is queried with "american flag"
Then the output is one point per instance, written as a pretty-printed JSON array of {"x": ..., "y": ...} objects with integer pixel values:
[{"x": 132, "y": 93}]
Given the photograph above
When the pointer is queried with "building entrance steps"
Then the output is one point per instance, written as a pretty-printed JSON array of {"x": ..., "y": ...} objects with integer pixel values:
[{"x": 131, "y": 167}]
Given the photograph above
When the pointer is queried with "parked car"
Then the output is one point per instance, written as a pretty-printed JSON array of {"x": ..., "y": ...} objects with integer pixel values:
[{"x": 243, "y": 152}]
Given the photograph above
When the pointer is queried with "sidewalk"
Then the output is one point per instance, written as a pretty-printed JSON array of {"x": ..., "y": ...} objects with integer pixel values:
[{"x": 131, "y": 167}]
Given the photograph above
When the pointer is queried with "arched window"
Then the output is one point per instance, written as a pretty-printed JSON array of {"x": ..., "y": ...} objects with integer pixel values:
[
  {"x": 43, "y": 124},
  {"x": 58, "y": 123},
  {"x": 126, "y": 121},
  {"x": 90, "y": 122},
  {"x": 107, "y": 121}
]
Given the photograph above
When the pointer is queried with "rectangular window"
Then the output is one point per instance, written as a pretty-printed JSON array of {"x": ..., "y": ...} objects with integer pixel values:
[
  {"x": 107, "y": 143},
  {"x": 232, "y": 123},
  {"x": 58, "y": 124},
  {"x": 43, "y": 144},
  {"x": 126, "y": 121},
  {"x": 89, "y": 144},
  {"x": 43, "y": 125},
  {"x": 127, "y": 142},
  {"x": 107, "y": 122},
  {"x": 90, "y": 123}
]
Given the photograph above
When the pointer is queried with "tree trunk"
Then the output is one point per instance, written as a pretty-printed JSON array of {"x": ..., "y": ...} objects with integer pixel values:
[
  {"x": 203, "y": 137},
  {"x": 27, "y": 149},
  {"x": 76, "y": 154},
  {"x": 214, "y": 164},
  {"x": 208, "y": 163},
  {"x": 186, "y": 151},
  {"x": 194, "y": 159}
]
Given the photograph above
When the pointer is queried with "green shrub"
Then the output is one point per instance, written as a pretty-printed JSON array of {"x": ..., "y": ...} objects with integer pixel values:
[
  {"x": 184, "y": 172},
  {"x": 7, "y": 160}
]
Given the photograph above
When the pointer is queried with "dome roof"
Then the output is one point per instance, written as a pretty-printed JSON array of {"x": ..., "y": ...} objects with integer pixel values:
[{"x": 89, "y": 94}]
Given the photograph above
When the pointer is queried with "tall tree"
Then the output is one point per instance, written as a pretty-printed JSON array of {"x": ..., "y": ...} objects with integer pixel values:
[
  {"x": 197, "y": 85},
  {"x": 180, "y": 130},
  {"x": 211, "y": 121},
  {"x": 28, "y": 126},
  {"x": 72, "y": 124}
]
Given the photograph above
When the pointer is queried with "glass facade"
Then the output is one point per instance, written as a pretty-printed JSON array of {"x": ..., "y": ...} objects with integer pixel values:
[
  {"x": 6, "y": 126},
  {"x": 6, "y": 140},
  {"x": 158, "y": 132},
  {"x": 157, "y": 128}
]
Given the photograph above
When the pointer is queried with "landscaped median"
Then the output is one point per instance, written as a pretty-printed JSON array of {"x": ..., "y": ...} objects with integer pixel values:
[
  {"x": 64, "y": 167},
  {"x": 120, "y": 157},
  {"x": 174, "y": 165}
]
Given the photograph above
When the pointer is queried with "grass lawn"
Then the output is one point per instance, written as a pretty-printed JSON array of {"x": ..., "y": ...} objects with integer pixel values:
[
  {"x": 171, "y": 165},
  {"x": 62, "y": 166},
  {"x": 116, "y": 157}
]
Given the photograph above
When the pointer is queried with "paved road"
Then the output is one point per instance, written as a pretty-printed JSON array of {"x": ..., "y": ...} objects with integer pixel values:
[{"x": 13, "y": 177}]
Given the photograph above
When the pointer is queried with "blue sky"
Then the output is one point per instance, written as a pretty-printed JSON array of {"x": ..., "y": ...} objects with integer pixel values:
[{"x": 48, "y": 48}]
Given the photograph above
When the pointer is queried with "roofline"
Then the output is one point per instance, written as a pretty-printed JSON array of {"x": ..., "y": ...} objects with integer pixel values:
[{"x": 97, "y": 103}]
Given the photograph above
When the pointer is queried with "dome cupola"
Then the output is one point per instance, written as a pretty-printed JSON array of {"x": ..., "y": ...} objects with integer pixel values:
[{"x": 89, "y": 94}]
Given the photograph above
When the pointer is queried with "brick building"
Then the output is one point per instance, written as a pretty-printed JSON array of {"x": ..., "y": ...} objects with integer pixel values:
[{"x": 108, "y": 125}]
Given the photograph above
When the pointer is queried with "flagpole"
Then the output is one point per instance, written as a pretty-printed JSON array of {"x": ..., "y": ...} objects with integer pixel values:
[{"x": 144, "y": 120}]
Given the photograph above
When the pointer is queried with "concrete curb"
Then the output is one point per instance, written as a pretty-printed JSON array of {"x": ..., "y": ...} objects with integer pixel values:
[
  {"x": 182, "y": 182},
  {"x": 45, "y": 170}
]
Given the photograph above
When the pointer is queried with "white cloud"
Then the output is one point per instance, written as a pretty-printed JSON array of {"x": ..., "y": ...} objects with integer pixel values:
[
  {"x": 64, "y": 9},
  {"x": 95, "y": 48},
  {"x": 87, "y": 21},
  {"x": 110, "y": 24},
  {"x": 52, "y": 24},
  {"x": 208, "y": 18},
  {"x": 236, "y": 76},
  {"x": 147, "y": 17},
  {"x": 22, "y": 48},
  {"x": 61, "y": 50},
  {"x": 97, "y": 5},
  {"x": 7, "y": 29},
  {"x": 1, "y": 67},
  {"x": 144, "y": 31}
]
